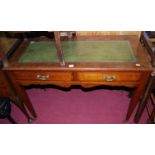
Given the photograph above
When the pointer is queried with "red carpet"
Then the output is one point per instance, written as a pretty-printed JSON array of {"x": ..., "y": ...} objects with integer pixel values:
[{"x": 76, "y": 106}]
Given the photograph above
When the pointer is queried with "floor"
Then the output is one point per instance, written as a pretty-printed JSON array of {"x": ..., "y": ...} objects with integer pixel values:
[{"x": 76, "y": 106}]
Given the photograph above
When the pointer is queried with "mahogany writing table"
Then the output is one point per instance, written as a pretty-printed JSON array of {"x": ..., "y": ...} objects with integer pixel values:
[{"x": 84, "y": 61}]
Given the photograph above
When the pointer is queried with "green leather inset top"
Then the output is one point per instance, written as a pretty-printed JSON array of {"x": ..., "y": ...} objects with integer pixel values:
[{"x": 80, "y": 51}]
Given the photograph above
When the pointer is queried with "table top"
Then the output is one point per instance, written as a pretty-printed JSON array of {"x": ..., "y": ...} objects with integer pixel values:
[
  {"x": 100, "y": 53},
  {"x": 79, "y": 51}
]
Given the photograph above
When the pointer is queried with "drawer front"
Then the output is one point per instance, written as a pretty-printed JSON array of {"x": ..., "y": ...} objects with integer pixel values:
[
  {"x": 43, "y": 75},
  {"x": 109, "y": 76}
]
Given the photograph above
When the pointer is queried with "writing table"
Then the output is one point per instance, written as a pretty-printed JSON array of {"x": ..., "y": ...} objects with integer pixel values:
[{"x": 84, "y": 61}]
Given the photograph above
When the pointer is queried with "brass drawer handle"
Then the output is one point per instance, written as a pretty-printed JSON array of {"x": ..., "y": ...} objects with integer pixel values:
[
  {"x": 42, "y": 77},
  {"x": 109, "y": 78}
]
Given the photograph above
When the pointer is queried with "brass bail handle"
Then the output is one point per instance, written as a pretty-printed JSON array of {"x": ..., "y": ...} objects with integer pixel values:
[
  {"x": 42, "y": 77},
  {"x": 109, "y": 78}
]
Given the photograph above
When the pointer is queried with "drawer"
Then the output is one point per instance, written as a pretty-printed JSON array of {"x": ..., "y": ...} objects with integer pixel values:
[
  {"x": 109, "y": 76},
  {"x": 43, "y": 75}
]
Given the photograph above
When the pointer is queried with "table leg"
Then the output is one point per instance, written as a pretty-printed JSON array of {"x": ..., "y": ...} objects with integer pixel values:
[
  {"x": 144, "y": 100},
  {"x": 25, "y": 99},
  {"x": 137, "y": 94},
  {"x": 151, "y": 119},
  {"x": 21, "y": 106},
  {"x": 22, "y": 96}
]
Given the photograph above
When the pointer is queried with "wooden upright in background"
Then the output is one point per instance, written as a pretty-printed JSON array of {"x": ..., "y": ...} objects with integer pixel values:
[
  {"x": 148, "y": 41},
  {"x": 7, "y": 88}
]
